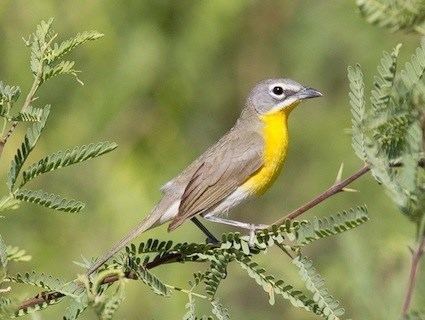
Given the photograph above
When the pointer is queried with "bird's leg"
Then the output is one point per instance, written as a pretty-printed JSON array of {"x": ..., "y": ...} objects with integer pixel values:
[
  {"x": 251, "y": 236},
  {"x": 210, "y": 236},
  {"x": 239, "y": 224},
  {"x": 244, "y": 225}
]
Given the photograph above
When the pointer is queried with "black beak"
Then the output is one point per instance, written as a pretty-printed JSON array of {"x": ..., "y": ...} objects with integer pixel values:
[{"x": 308, "y": 93}]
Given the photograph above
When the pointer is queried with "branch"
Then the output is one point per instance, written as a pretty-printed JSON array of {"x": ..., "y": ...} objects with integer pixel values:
[
  {"x": 334, "y": 189},
  {"x": 48, "y": 296},
  {"x": 45, "y": 297},
  {"x": 416, "y": 257},
  {"x": 28, "y": 100}
]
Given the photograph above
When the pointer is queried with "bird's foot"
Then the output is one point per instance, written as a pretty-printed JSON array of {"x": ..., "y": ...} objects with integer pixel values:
[{"x": 253, "y": 228}]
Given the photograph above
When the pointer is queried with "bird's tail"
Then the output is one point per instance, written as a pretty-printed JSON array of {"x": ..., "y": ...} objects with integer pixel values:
[{"x": 147, "y": 223}]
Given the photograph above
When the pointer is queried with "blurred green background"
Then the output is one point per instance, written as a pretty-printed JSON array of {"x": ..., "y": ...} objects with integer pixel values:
[{"x": 166, "y": 81}]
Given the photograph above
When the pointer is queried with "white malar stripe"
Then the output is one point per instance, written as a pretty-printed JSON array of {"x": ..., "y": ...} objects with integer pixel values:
[{"x": 286, "y": 103}]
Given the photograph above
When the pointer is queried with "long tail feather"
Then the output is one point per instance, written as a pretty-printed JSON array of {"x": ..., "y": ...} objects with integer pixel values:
[{"x": 144, "y": 225}]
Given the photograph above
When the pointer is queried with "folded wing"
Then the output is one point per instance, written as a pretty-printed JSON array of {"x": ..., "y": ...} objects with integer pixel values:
[{"x": 222, "y": 171}]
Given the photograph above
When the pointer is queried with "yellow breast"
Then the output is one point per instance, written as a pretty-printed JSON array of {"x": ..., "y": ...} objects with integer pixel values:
[{"x": 275, "y": 134}]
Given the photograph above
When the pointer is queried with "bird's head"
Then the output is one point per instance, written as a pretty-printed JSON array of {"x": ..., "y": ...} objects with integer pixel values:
[{"x": 274, "y": 95}]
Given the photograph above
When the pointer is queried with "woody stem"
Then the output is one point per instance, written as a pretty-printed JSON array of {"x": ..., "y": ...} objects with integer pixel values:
[{"x": 337, "y": 187}]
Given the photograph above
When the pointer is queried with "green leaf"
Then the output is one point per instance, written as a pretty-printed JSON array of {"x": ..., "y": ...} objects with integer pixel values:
[
  {"x": 8, "y": 203},
  {"x": 384, "y": 82},
  {"x": 51, "y": 201},
  {"x": 39, "y": 42},
  {"x": 391, "y": 122},
  {"x": 31, "y": 114},
  {"x": 3, "y": 253},
  {"x": 112, "y": 304},
  {"x": 151, "y": 245},
  {"x": 9, "y": 93},
  {"x": 67, "y": 46},
  {"x": 391, "y": 132},
  {"x": 66, "y": 158},
  {"x": 315, "y": 284},
  {"x": 221, "y": 312},
  {"x": 76, "y": 308},
  {"x": 358, "y": 110},
  {"x": 190, "y": 313},
  {"x": 217, "y": 272},
  {"x": 15, "y": 254},
  {"x": 44, "y": 52},
  {"x": 6, "y": 308},
  {"x": 413, "y": 73},
  {"x": 40, "y": 280},
  {"x": 415, "y": 315},
  {"x": 152, "y": 281},
  {"x": 30, "y": 140},
  {"x": 4, "y": 111},
  {"x": 63, "y": 67},
  {"x": 271, "y": 286},
  {"x": 308, "y": 231},
  {"x": 394, "y": 14},
  {"x": 47, "y": 282}
]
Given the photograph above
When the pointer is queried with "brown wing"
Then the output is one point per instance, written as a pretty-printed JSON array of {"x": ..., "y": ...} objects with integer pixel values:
[{"x": 223, "y": 170}]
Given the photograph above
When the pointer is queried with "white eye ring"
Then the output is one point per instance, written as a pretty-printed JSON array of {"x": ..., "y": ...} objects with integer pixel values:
[{"x": 276, "y": 90}]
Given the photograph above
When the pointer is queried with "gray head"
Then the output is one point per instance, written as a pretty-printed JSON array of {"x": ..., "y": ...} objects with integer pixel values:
[{"x": 277, "y": 94}]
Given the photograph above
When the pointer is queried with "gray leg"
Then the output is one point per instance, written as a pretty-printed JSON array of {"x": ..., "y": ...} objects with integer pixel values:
[
  {"x": 243, "y": 225},
  {"x": 249, "y": 226},
  {"x": 210, "y": 236}
]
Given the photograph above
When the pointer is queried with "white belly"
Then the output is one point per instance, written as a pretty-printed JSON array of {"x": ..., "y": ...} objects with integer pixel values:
[
  {"x": 235, "y": 198},
  {"x": 170, "y": 213}
]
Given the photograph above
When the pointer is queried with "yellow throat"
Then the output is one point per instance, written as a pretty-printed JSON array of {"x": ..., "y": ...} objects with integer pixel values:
[{"x": 275, "y": 134}]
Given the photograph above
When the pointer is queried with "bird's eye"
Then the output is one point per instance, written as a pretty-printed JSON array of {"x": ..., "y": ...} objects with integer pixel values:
[{"x": 278, "y": 90}]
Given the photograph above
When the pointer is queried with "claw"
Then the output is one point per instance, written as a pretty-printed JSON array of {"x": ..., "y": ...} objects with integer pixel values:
[
  {"x": 253, "y": 228},
  {"x": 251, "y": 236}
]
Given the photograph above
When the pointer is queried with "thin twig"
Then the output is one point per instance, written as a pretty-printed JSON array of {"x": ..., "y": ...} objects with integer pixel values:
[
  {"x": 9, "y": 132},
  {"x": 50, "y": 296},
  {"x": 28, "y": 100},
  {"x": 337, "y": 187},
  {"x": 416, "y": 257}
]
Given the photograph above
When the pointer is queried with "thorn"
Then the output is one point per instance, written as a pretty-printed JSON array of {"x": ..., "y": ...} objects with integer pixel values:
[
  {"x": 411, "y": 250},
  {"x": 27, "y": 42},
  {"x": 339, "y": 174},
  {"x": 78, "y": 79},
  {"x": 349, "y": 190}
]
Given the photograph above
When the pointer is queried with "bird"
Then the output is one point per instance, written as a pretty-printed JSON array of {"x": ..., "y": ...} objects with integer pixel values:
[{"x": 243, "y": 163}]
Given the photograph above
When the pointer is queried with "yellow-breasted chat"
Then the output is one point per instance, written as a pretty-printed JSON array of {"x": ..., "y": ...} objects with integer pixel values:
[{"x": 243, "y": 163}]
